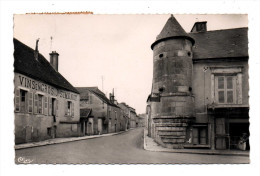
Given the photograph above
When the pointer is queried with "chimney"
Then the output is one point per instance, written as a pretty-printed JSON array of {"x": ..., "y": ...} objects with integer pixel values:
[
  {"x": 199, "y": 27},
  {"x": 112, "y": 97},
  {"x": 54, "y": 60},
  {"x": 36, "y": 51}
]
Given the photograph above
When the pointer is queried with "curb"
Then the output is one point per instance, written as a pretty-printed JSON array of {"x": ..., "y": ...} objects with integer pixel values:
[
  {"x": 44, "y": 143},
  {"x": 209, "y": 152}
]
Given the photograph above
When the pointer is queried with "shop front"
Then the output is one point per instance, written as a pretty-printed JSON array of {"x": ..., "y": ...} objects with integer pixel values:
[{"x": 231, "y": 127}]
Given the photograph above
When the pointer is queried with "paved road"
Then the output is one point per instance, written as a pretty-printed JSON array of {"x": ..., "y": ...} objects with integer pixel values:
[{"x": 123, "y": 148}]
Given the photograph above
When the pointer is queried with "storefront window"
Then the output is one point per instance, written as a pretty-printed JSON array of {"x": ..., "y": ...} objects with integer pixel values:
[{"x": 200, "y": 135}]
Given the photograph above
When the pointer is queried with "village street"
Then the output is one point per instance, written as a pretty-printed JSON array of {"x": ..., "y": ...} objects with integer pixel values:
[{"x": 122, "y": 148}]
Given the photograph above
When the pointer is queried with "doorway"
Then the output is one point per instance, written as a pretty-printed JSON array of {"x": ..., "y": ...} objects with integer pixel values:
[
  {"x": 220, "y": 134},
  {"x": 236, "y": 131}
]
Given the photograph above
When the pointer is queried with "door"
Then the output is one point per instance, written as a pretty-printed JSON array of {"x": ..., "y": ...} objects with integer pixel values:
[
  {"x": 100, "y": 122},
  {"x": 195, "y": 135},
  {"x": 203, "y": 135},
  {"x": 54, "y": 130},
  {"x": 53, "y": 107},
  {"x": 86, "y": 127},
  {"x": 220, "y": 133},
  {"x": 89, "y": 128}
]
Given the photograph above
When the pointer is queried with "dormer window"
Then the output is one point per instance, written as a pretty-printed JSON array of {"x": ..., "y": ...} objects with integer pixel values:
[{"x": 199, "y": 27}]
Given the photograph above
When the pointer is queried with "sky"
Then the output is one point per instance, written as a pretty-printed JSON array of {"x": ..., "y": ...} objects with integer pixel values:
[{"x": 115, "y": 47}]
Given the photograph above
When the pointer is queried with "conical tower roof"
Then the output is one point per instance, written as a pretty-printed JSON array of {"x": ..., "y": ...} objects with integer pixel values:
[{"x": 172, "y": 29}]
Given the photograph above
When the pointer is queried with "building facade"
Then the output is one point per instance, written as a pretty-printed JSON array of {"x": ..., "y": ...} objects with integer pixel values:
[
  {"x": 46, "y": 104},
  {"x": 126, "y": 114},
  {"x": 106, "y": 116},
  {"x": 199, "y": 95},
  {"x": 133, "y": 118},
  {"x": 142, "y": 120}
]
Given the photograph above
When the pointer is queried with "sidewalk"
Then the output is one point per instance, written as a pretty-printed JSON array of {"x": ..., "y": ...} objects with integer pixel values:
[
  {"x": 61, "y": 140},
  {"x": 151, "y": 145}
]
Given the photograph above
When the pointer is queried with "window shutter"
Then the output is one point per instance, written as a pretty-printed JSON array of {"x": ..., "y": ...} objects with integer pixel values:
[
  {"x": 30, "y": 102},
  {"x": 35, "y": 103},
  {"x": 17, "y": 100},
  {"x": 45, "y": 105},
  {"x": 72, "y": 109},
  {"x": 66, "y": 108},
  {"x": 216, "y": 90},
  {"x": 57, "y": 108},
  {"x": 234, "y": 89},
  {"x": 50, "y": 106},
  {"x": 239, "y": 88}
]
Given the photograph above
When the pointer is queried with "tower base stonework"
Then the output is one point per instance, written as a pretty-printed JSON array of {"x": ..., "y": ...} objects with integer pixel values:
[{"x": 169, "y": 127}]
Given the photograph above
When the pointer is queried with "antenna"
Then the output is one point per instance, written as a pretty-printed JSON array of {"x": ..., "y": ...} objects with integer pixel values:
[{"x": 51, "y": 44}]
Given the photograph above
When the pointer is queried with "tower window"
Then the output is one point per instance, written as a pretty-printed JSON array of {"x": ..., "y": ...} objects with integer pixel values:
[
  {"x": 161, "y": 89},
  {"x": 189, "y": 54},
  {"x": 161, "y": 56}
]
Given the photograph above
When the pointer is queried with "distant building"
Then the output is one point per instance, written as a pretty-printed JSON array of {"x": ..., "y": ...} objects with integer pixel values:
[
  {"x": 133, "y": 118},
  {"x": 126, "y": 114},
  {"x": 106, "y": 116},
  {"x": 142, "y": 120},
  {"x": 199, "y": 95},
  {"x": 46, "y": 104}
]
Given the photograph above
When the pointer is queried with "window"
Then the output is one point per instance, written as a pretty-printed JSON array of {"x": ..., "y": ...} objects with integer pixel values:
[
  {"x": 200, "y": 135},
  {"x": 225, "y": 89},
  {"x": 53, "y": 107},
  {"x": 49, "y": 131},
  {"x": 23, "y": 100},
  {"x": 40, "y": 104},
  {"x": 226, "y": 84},
  {"x": 69, "y": 109},
  {"x": 109, "y": 113}
]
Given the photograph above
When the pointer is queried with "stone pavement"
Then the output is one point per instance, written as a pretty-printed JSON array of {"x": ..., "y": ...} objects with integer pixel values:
[
  {"x": 151, "y": 145},
  {"x": 61, "y": 140}
]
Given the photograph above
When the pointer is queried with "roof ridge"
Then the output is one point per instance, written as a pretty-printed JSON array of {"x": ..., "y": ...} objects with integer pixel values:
[{"x": 218, "y": 30}]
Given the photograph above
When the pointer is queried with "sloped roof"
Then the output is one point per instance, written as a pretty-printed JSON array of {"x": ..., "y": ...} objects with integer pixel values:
[
  {"x": 221, "y": 43},
  {"x": 172, "y": 29},
  {"x": 26, "y": 64},
  {"x": 84, "y": 94},
  {"x": 85, "y": 112}
]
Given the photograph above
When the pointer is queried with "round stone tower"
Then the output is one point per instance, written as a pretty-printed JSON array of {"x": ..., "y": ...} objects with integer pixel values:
[{"x": 172, "y": 101}]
